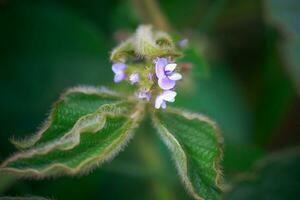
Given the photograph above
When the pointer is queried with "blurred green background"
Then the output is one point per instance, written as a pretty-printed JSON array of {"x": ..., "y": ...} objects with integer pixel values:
[{"x": 245, "y": 75}]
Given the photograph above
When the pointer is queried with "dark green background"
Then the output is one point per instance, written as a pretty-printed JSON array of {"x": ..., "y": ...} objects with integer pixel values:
[{"x": 246, "y": 77}]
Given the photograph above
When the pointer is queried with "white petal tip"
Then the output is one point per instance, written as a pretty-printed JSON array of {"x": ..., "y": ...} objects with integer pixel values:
[
  {"x": 175, "y": 76},
  {"x": 170, "y": 67}
]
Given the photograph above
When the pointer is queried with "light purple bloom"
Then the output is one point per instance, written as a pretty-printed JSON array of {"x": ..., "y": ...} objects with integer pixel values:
[
  {"x": 134, "y": 78},
  {"x": 183, "y": 43},
  {"x": 118, "y": 69},
  {"x": 168, "y": 95},
  {"x": 144, "y": 95},
  {"x": 165, "y": 73}
]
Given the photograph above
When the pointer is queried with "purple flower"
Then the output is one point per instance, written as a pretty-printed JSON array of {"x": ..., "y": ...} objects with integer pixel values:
[
  {"x": 118, "y": 69},
  {"x": 144, "y": 95},
  {"x": 183, "y": 43},
  {"x": 168, "y": 95},
  {"x": 134, "y": 78},
  {"x": 165, "y": 73}
]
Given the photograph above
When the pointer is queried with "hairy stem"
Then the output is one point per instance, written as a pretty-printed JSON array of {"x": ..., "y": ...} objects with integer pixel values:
[
  {"x": 151, "y": 157},
  {"x": 149, "y": 12}
]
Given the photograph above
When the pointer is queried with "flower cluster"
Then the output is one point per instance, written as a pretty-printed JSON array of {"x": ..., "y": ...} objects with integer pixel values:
[{"x": 162, "y": 85}]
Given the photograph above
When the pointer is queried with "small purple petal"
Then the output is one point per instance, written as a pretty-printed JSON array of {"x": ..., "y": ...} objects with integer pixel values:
[
  {"x": 175, "y": 76},
  {"x": 144, "y": 95},
  {"x": 119, "y": 77},
  {"x": 158, "y": 101},
  {"x": 148, "y": 96},
  {"x": 183, "y": 42},
  {"x": 160, "y": 64},
  {"x": 162, "y": 61},
  {"x": 134, "y": 78},
  {"x": 168, "y": 95},
  {"x": 163, "y": 105},
  {"x": 166, "y": 84},
  {"x": 118, "y": 67}
]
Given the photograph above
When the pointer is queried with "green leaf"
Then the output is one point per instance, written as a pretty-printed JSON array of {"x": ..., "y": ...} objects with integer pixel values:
[
  {"x": 275, "y": 177},
  {"x": 123, "y": 50},
  {"x": 151, "y": 43},
  {"x": 146, "y": 42},
  {"x": 86, "y": 128},
  {"x": 195, "y": 144},
  {"x": 72, "y": 105},
  {"x": 39, "y": 59}
]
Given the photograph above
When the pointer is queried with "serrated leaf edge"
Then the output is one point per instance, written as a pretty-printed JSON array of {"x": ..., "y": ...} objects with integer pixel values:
[
  {"x": 31, "y": 140},
  {"x": 82, "y": 169},
  {"x": 71, "y": 138},
  {"x": 181, "y": 165},
  {"x": 219, "y": 138}
]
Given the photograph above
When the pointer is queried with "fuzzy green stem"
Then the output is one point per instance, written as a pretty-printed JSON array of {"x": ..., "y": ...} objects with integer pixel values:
[{"x": 149, "y": 12}]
